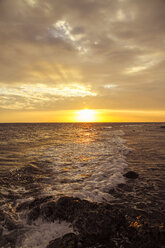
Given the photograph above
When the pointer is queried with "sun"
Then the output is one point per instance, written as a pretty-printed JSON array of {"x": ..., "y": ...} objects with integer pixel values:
[{"x": 86, "y": 115}]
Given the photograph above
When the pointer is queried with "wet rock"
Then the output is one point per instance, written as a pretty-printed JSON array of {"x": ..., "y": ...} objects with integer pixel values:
[
  {"x": 48, "y": 211},
  {"x": 1, "y": 231},
  {"x": 99, "y": 225},
  {"x": 131, "y": 175},
  {"x": 67, "y": 241},
  {"x": 112, "y": 191},
  {"x": 31, "y": 204},
  {"x": 3, "y": 242},
  {"x": 2, "y": 215},
  {"x": 10, "y": 224},
  {"x": 66, "y": 208},
  {"x": 33, "y": 215},
  {"x": 71, "y": 240},
  {"x": 148, "y": 237},
  {"x": 39, "y": 201},
  {"x": 31, "y": 169},
  {"x": 23, "y": 206},
  {"x": 96, "y": 223},
  {"x": 10, "y": 240},
  {"x": 141, "y": 205}
]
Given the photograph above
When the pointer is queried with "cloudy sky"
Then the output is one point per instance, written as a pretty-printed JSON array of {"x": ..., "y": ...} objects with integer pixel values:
[{"x": 60, "y": 56}]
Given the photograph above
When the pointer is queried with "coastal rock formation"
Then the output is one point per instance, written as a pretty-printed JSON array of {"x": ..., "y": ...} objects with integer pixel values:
[
  {"x": 1, "y": 231},
  {"x": 67, "y": 241},
  {"x": 97, "y": 225},
  {"x": 131, "y": 175}
]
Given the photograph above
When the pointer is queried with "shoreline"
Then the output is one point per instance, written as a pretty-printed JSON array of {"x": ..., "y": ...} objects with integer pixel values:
[{"x": 94, "y": 224}]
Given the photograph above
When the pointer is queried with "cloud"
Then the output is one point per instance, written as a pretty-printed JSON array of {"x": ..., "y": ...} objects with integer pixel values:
[
  {"x": 30, "y": 97},
  {"x": 95, "y": 44}
]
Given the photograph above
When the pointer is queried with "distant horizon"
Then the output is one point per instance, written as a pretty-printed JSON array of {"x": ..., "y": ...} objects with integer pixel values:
[
  {"x": 83, "y": 122},
  {"x": 83, "y": 115}
]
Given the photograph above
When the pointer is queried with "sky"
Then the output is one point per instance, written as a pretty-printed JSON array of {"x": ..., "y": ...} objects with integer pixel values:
[{"x": 59, "y": 57}]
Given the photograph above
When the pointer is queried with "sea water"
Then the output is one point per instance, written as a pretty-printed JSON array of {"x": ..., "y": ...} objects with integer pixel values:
[{"x": 85, "y": 160}]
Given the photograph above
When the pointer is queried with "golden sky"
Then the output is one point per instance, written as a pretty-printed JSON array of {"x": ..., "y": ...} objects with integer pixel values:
[{"x": 61, "y": 57}]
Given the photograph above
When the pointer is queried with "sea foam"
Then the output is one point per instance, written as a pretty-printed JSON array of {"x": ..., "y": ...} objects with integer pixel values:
[
  {"x": 90, "y": 166},
  {"x": 41, "y": 233}
]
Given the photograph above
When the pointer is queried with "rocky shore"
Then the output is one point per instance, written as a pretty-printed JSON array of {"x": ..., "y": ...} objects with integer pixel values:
[{"x": 95, "y": 225}]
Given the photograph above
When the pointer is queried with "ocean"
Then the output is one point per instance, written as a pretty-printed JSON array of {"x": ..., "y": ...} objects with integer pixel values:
[{"x": 87, "y": 161}]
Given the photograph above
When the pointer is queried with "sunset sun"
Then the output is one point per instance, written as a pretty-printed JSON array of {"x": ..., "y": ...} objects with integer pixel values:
[{"x": 86, "y": 115}]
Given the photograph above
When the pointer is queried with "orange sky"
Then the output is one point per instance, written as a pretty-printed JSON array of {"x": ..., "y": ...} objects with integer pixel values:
[{"x": 74, "y": 116}]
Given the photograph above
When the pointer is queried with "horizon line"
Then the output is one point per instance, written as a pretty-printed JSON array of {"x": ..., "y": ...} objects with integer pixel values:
[{"x": 82, "y": 122}]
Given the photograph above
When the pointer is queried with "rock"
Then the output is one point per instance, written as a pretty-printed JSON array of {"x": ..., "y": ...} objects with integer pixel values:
[
  {"x": 131, "y": 175},
  {"x": 162, "y": 126},
  {"x": 99, "y": 225},
  {"x": 67, "y": 241},
  {"x": 96, "y": 223},
  {"x": 112, "y": 191},
  {"x": 31, "y": 204},
  {"x": 1, "y": 231},
  {"x": 10, "y": 224},
  {"x": 66, "y": 208},
  {"x": 10, "y": 240},
  {"x": 3, "y": 242},
  {"x": 33, "y": 215},
  {"x": 2, "y": 215},
  {"x": 23, "y": 206},
  {"x": 48, "y": 211},
  {"x": 39, "y": 201},
  {"x": 147, "y": 237}
]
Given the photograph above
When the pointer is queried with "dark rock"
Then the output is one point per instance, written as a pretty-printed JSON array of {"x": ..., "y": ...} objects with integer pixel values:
[
  {"x": 131, "y": 175},
  {"x": 121, "y": 185},
  {"x": 10, "y": 240},
  {"x": 162, "y": 126},
  {"x": 124, "y": 187},
  {"x": 147, "y": 237},
  {"x": 23, "y": 206},
  {"x": 31, "y": 204},
  {"x": 67, "y": 241},
  {"x": 3, "y": 242},
  {"x": 1, "y": 231},
  {"x": 39, "y": 201},
  {"x": 99, "y": 225},
  {"x": 31, "y": 169},
  {"x": 141, "y": 205},
  {"x": 96, "y": 223},
  {"x": 10, "y": 224},
  {"x": 48, "y": 211},
  {"x": 112, "y": 191},
  {"x": 12, "y": 237},
  {"x": 66, "y": 208},
  {"x": 2, "y": 215},
  {"x": 33, "y": 215}
]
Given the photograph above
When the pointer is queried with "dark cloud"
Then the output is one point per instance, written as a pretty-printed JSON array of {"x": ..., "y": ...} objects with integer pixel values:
[{"x": 90, "y": 43}]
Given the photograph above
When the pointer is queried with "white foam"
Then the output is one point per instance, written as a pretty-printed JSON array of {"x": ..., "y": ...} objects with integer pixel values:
[
  {"x": 41, "y": 233},
  {"x": 89, "y": 167}
]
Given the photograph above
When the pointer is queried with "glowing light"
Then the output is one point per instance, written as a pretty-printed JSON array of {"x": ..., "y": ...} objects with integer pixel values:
[{"x": 86, "y": 115}]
